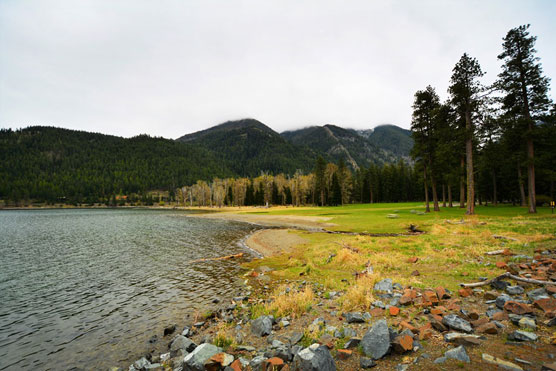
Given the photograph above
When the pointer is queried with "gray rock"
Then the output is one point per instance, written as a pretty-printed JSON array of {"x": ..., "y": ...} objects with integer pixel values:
[
  {"x": 515, "y": 290},
  {"x": 183, "y": 343},
  {"x": 397, "y": 286},
  {"x": 501, "y": 300},
  {"x": 515, "y": 318},
  {"x": 379, "y": 304},
  {"x": 537, "y": 294},
  {"x": 460, "y": 338},
  {"x": 277, "y": 344},
  {"x": 366, "y": 362},
  {"x": 520, "y": 335},
  {"x": 385, "y": 285},
  {"x": 376, "y": 341},
  {"x": 141, "y": 364},
  {"x": 256, "y": 363},
  {"x": 284, "y": 352},
  {"x": 401, "y": 367},
  {"x": 246, "y": 348},
  {"x": 296, "y": 337},
  {"x": 492, "y": 311},
  {"x": 195, "y": 360},
  {"x": 440, "y": 360},
  {"x": 458, "y": 353},
  {"x": 499, "y": 285},
  {"x": 352, "y": 343},
  {"x": 354, "y": 317},
  {"x": 262, "y": 326},
  {"x": 367, "y": 316},
  {"x": 314, "y": 358},
  {"x": 457, "y": 323}
]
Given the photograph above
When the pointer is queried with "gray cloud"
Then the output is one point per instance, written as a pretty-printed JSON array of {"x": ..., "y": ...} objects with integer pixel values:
[{"x": 172, "y": 67}]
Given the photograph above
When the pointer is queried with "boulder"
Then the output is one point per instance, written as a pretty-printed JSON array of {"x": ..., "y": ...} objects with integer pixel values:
[
  {"x": 195, "y": 360},
  {"x": 183, "y": 343},
  {"x": 376, "y": 342},
  {"x": 262, "y": 326},
  {"x": 314, "y": 358},
  {"x": 458, "y": 353},
  {"x": 354, "y": 317},
  {"x": 384, "y": 286},
  {"x": 520, "y": 335},
  {"x": 526, "y": 322},
  {"x": 537, "y": 294},
  {"x": 457, "y": 323}
]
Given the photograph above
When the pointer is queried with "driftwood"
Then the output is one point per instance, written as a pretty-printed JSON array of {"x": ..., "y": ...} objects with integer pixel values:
[
  {"x": 227, "y": 257},
  {"x": 495, "y": 252},
  {"x": 510, "y": 276}
]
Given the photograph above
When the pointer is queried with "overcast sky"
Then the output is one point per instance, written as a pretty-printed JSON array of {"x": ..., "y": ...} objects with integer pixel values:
[{"x": 168, "y": 68}]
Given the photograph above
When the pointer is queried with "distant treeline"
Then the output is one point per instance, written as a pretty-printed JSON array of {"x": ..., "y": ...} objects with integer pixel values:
[
  {"x": 329, "y": 184},
  {"x": 493, "y": 143}
]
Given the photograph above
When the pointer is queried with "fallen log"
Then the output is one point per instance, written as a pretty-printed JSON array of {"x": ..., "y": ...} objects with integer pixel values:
[{"x": 510, "y": 276}]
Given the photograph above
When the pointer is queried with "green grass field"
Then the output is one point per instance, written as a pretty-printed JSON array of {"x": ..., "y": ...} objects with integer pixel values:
[{"x": 448, "y": 253}]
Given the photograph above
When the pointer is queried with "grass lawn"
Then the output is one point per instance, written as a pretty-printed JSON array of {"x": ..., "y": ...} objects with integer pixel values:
[{"x": 447, "y": 253}]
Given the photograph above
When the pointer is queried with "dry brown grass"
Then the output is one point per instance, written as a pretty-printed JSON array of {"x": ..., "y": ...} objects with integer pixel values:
[
  {"x": 294, "y": 303},
  {"x": 360, "y": 295}
]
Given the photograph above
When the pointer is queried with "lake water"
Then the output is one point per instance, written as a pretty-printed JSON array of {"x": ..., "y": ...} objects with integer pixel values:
[{"x": 87, "y": 288}]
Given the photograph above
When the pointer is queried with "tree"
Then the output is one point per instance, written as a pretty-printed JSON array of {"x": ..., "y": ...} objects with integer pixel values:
[
  {"x": 320, "y": 180},
  {"x": 465, "y": 92},
  {"x": 423, "y": 130},
  {"x": 525, "y": 92}
]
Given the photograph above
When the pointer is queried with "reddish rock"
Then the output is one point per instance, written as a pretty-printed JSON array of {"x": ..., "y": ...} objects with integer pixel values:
[
  {"x": 465, "y": 292},
  {"x": 501, "y": 265},
  {"x": 438, "y": 311},
  {"x": 547, "y": 305},
  {"x": 415, "y": 273},
  {"x": 236, "y": 365},
  {"x": 442, "y": 293},
  {"x": 491, "y": 295},
  {"x": 217, "y": 362},
  {"x": 517, "y": 308},
  {"x": 453, "y": 307},
  {"x": 412, "y": 260},
  {"x": 465, "y": 274},
  {"x": 551, "y": 289},
  {"x": 507, "y": 252},
  {"x": 500, "y": 316},
  {"x": 425, "y": 331},
  {"x": 479, "y": 322},
  {"x": 409, "y": 326},
  {"x": 273, "y": 364},
  {"x": 430, "y": 296},
  {"x": 473, "y": 315},
  {"x": 403, "y": 343},
  {"x": 376, "y": 312},
  {"x": 344, "y": 353},
  {"x": 487, "y": 328},
  {"x": 394, "y": 311}
]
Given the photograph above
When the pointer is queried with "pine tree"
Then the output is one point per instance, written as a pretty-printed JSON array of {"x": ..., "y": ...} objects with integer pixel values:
[
  {"x": 526, "y": 93},
  {"x": 465, "y": 92},
  {"x": 320, "y": 180}
]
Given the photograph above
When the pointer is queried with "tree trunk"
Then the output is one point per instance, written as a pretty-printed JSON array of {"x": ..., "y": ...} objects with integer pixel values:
[
  {"x": 469, "y": 158},
  {"x": 520, "y": 182},
  {"x": 494, "y": 189},
  {"x": 427, "y": 206},
  {"x": 462, "y": 184},
  {"x": 531, "y": 174},
  {"x": 450, "y": 196},
  {"x": 434, "y": 195},
  {"x": 443, "y": 195}
]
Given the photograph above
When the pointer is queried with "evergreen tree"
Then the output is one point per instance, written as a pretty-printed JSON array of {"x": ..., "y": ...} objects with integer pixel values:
[
  {"x": 465, "y": 92},
  {"x": 336, "y": 191},
  {"x": 525, "y": 93},
  {"x": 320, "y": 180}
]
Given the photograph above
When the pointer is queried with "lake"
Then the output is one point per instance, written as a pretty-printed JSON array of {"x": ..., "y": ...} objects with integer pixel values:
[{"x": 87, "y": 288}]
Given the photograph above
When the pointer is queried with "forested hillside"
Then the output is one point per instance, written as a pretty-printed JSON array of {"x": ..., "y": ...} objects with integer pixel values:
[
  {"x": 59, "y": 165},
  {"x": 248, "y": 147}
]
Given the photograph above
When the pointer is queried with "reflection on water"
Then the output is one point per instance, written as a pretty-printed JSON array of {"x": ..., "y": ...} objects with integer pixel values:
[{"x": 86, "y": 289}]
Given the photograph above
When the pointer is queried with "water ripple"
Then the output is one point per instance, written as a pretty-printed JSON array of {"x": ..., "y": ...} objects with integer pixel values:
[{"x": 85, "y": 289}]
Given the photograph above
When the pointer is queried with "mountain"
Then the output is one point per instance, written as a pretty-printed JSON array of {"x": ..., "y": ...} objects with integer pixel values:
[
  {"x": 248, "y": 147},
  {"x": 392, "y": 138},
  {"x": 51, "y": 164},
  {"x": 358, "y": 148}
]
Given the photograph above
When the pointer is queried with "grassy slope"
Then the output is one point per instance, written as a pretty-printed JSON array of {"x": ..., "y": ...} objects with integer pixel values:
[{"x": 448, "y": 253}]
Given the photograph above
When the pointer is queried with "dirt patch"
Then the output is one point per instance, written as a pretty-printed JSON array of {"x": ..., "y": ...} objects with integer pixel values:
[
  {"x": 288, "y": 221},
  {"x": 274, "y": 241}
]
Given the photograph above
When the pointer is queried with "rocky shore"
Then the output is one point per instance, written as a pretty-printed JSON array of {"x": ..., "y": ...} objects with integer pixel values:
[{"x": 502, "y": 325}]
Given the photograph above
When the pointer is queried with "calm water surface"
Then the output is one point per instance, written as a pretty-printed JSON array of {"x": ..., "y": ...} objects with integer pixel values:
[{"x": 86, "y": 289}]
